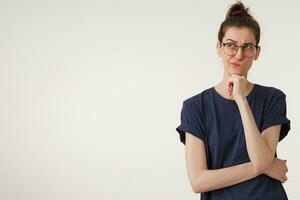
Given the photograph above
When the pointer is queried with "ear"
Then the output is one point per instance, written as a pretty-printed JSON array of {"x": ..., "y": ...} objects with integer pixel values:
[
  {"x": 257, "y": 53},
  {"x": 219, "y": 49}
]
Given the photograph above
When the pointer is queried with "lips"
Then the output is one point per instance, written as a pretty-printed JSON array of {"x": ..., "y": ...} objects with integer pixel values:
[{"x": 235, "y": 64}]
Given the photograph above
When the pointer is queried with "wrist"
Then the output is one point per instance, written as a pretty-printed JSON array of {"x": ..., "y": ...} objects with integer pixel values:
[
  {"x": 240, "y": 100},
  {"x": 254, "y": 170}
]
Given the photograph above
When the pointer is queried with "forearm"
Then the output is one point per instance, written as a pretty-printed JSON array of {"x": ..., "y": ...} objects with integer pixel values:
[
  {"x": 219, "y": 178},
  {"x": 258, "y": 151}
]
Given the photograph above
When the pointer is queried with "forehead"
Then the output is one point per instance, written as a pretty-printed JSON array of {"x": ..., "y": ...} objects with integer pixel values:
[{"x": 240, "y": 34}]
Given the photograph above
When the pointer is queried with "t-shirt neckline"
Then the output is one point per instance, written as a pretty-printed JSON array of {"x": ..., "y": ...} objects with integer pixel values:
[{"x": 232, "y": 100}]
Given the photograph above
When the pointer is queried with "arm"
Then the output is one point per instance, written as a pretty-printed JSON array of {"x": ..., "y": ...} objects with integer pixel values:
[
  {"x": 261, "y": 147},
  {"x": 203, "y": 179}
]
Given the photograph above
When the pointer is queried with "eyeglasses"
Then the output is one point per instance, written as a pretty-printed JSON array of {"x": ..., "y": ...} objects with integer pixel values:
[{"x": 231, "y": 49}]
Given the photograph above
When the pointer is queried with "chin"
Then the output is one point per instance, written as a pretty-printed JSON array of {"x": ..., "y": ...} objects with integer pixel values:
[{"x": 237, "y": 72}]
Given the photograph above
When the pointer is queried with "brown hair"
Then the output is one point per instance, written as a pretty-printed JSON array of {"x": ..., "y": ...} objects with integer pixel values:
[{"x": 238, "y": 16}]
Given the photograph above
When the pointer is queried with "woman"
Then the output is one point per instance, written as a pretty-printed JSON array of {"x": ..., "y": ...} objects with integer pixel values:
[{"x": 231, "y": 130}]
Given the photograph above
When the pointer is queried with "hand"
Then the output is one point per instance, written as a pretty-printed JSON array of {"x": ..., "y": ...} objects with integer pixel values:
[
  {"x": 278, "y": 170},
  {"x": 237, "y": 87}
]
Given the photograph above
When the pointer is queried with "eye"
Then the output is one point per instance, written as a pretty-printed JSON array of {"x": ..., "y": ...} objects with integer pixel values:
[
  {"x": 230, "y": 45},
  {"x": 248, "y": 47}
]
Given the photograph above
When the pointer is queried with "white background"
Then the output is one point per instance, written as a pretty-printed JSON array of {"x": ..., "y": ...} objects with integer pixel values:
[{"x": 91, "y": 92}]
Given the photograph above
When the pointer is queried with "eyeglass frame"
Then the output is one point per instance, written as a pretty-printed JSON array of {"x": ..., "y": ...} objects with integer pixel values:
[{"x": 238, "y": 46}]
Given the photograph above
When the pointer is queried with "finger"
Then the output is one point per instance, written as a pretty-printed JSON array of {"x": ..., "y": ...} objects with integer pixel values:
[
  {"x": 229, "y": 83},
  {"x": 285, "y": 168},
  {"x": 230, "y": 87},
  {"x": 285, "y": 178},
  {"x": 281, "y": 179}
]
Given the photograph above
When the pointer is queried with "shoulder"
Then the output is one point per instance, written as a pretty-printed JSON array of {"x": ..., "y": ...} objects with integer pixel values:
[
  {"x": 269, "y": 92},
  {"x": 270, "y": 98},
  {"x": 197, "y": 100}
]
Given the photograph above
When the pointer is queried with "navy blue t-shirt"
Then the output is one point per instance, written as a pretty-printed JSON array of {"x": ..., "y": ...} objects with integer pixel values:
[{"x": 217, "y": 122}]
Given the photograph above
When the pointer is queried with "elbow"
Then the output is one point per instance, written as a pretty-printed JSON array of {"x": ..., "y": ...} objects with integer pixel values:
[
  {"x": 199, "y": 186},
  {"x": 195, "y": 186},
  {"x": 200, "y": 182},
  {"x": 197, "y": 189}
]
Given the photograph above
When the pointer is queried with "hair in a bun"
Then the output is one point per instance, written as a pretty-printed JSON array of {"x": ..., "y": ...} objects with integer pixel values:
[
  {"x": 239, "y": 16},
  {"x": 238, "y": 10}
]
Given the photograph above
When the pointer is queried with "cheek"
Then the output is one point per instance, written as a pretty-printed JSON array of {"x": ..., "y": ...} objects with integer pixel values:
[
  {"x": 249, "y": 63},
  {"x": 226, "y": 60}
]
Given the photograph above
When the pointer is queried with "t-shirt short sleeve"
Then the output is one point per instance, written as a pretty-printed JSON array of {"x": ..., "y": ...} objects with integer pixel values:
[
  {"x": 275, "y": 114},
  {"x": 191, "y": 122}
]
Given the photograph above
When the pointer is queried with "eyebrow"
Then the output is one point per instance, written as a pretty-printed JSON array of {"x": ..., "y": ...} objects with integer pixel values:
[{"x": 243, "y": 44}]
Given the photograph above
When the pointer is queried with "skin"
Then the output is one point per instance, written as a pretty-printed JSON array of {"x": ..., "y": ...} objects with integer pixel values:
[
  {"x": 260, "y": 146},
  {"x": 241, "y": 36},
  {"x": 237, "y": 88}
]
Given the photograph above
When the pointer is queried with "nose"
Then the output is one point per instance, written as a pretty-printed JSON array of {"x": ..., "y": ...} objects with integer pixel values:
[{"x": 240, "y": 53}]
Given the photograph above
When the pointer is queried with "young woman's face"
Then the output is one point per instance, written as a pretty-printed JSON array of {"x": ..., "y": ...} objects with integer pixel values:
[{"x": 240, "y": 62}]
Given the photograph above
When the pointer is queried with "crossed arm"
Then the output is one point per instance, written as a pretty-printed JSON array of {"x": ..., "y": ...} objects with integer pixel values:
[{"x": 261, "y": 149}]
